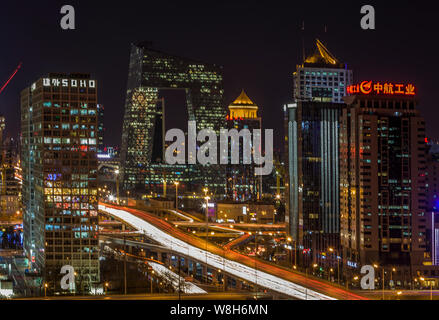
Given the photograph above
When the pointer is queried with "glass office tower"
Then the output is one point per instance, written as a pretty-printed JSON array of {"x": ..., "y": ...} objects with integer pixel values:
[
  {"x": 312, "y": 124},
  {"x": 151, "y": 71},
  {"x": 383, "y": 178},
  {"x": 59, "y": 196},
  {"x": 101, "y": 129},
  {"x": 313, "y": 152}
]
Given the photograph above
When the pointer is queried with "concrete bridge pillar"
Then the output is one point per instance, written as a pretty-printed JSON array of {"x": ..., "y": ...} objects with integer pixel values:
[
  {"x": 163, "y": 257},
  {"x": 238, "y": 285},
  {"x": 190, "y": 267},
  {"x": 184, "y": 265},
  {"x": 205, "y": 270},
  {"x": 225, "y": 282},
  {"x": 214, "y": 276}
]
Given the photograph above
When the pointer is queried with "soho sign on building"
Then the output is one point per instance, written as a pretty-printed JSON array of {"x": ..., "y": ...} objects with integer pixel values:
[{"x": 74, "y": 83}]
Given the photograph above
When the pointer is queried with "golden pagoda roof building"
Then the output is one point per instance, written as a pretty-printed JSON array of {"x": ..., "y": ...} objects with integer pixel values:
[
  {"x": 243, "y": 107},
  {"x": 322, "y": 57}
]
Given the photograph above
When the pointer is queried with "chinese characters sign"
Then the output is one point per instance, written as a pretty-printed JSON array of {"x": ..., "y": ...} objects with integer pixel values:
[{"x": 382, "y": 88}]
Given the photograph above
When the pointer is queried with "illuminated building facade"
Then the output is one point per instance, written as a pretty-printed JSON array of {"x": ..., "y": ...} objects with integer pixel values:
[
  {"x": 151, "y": 71},
  {"x": 58, "y": 153},
  {"x": 242, "y": 184},
  {"x": 10, "y": 184},
  {"x": 383, "y": 177},
  {"x": 156, "y": 174},
  {"x": 312, "y": 123},
  {"x": 432, "y": 180},
  {"x": 229, "y": 211},
  {"x": 321, "y": 77},
  {"x": 101, "y": 129},
  {"x": 313, "y": 203},
  {"x": 2, "y": 127}
]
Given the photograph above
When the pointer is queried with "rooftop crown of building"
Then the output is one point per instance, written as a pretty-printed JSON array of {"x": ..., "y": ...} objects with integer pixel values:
[
  {"x": 322, "y": 58},
  {"x": 243, "y": 107}
]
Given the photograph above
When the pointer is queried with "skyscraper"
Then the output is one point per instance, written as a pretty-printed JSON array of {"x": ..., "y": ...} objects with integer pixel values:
[
  {"x": 312, "y": 124},
  {"x": 432, "y": 180},
  {"x": 101, "y": 128},
  {"x": 313, "y": 184},
  {"x": 2, "y": 128},
  {"x": 382, "y": 175},
  {"x": 59, "y": 144},
  {"x": 242, "y": 184},
  {"x": 10, "y": 190},
  {"x": 151, "y": 71},
  {"x": 321, "y": 77}
]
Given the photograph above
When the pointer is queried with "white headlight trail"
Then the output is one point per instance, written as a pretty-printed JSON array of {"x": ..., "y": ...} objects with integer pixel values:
[{"x": 242, "y": 271}]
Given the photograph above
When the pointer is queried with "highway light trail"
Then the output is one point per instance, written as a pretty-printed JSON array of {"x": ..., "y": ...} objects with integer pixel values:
[
  {"x": 191, "y": 223},
  {"x": 261, "y": 278},
  {"x": 186, "y": 287},
  {"x": 181, "y": 215}
]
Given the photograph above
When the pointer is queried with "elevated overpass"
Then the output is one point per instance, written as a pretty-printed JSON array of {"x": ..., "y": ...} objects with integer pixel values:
[{"x": 261, "y": 273}]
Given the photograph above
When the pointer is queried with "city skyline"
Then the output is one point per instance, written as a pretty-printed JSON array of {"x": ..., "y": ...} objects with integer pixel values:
[
  {"x": 122, "y": 172},
  {"x": 262, "y": 60}
]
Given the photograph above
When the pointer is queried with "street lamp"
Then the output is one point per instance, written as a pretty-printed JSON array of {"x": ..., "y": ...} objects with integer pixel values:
[
  {"x": 207, "y": 226},
  {"x": 314, "y": 266},
  {"x": 116, "y": 172},
  {"x": 152, "y": 272},
  {"x": 431, "y": 286},
  {"x": 106, "y": 287},
  {"x": 176, "y": 194},
  {"x": 391, "y": 275},
  {"x": 45, "y": 289},
  {"x": 289, "y": 239},
  {"x": 376, "y": 267},
  {"x": 338, "y": 263}
]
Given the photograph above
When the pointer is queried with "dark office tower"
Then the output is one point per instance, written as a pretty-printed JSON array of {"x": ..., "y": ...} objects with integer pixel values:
[
  {"x": 58, "y": 157},
  {"x": 432, "y": 181},
  {"x": 241, "y": 183},
  {"x": 321, "y": 77},
  {"x": 382, "y": 174},
  {"x": 150, "y": 72},
  {"x": 314, "y": 191},
  {"x": 312, "y": 123},
  {"x": 101, "y": 129}
]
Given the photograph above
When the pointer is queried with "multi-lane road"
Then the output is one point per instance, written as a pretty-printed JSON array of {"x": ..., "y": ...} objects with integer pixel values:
[{"x": 258, "y": 272}]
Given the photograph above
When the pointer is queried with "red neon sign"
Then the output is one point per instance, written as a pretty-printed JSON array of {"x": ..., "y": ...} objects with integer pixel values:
[{"x": 379, "y": 88}]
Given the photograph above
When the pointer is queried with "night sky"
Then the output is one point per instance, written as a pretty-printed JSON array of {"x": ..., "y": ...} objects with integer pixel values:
[{"x": 257, "y": 42}]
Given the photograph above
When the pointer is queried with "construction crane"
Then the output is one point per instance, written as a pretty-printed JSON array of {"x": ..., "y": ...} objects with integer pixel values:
[
  {"x": 2, "y": 164},
  {"x": 11, "y": 77}
]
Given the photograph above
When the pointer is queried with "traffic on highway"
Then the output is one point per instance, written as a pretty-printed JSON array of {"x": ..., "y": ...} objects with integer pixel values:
[{"x": 253, "y": 275}]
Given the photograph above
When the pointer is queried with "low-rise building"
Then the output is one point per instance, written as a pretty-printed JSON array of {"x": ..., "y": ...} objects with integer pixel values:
[{"x": 245, "y": 212}]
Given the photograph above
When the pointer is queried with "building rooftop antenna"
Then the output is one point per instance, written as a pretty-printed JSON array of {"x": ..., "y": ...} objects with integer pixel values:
[{"x": 303, "y": 40}]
